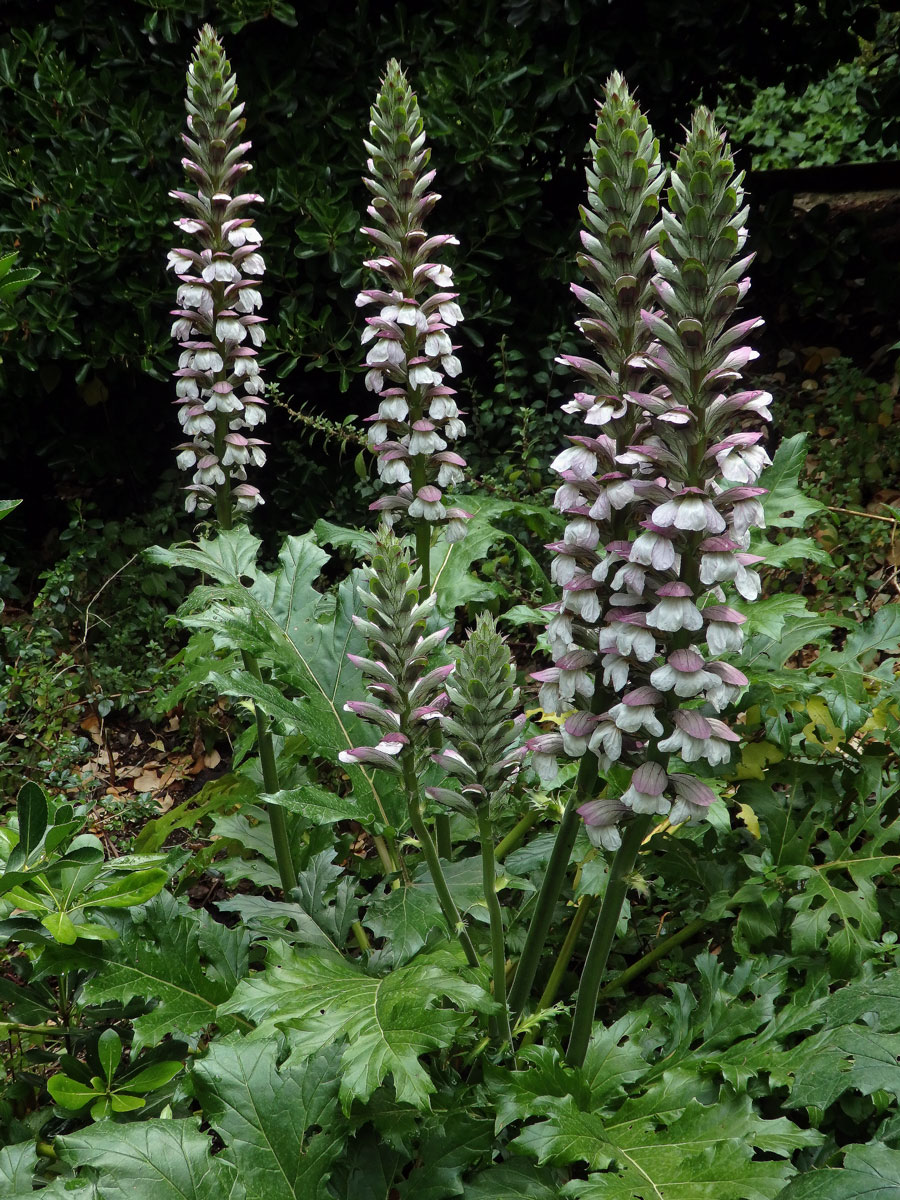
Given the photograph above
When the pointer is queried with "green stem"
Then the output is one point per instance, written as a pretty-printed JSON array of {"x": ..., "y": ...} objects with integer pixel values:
[
  {"x": 601, "y": 942},
  {"x": 277, "y": 816},
  {"x": 361, "y": 937},
  {"x": 548, "y": 995},
  {"x": 660, "y": 950},
  {"x": 498, "y": 949},
  {"x": 552, "y": 885},
  {"x": 387, "y": 853},
  {"x": 448, "y": 906},
  {"x": 516, "y": 835}
]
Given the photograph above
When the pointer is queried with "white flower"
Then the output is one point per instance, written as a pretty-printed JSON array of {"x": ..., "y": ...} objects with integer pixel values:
[
  {"x": 178, "y": 263},
  {"x": 581, "y": 461},
  {"x": 220, "y": 270},
  {"x": 645, "y": 792},
  {"x": 675, "y": 610},
  {"x": 424, "y": 439},
  {"x": 253, "y": 264},
  {"x": 437, "y": 344},
  {"x": 229, "y": 329},
  {"x": 247, "y": 300},
  {"x": 684, "y": 674},
  {"x": 422, "y": 375},
  {"x": 450, "y": 312}
]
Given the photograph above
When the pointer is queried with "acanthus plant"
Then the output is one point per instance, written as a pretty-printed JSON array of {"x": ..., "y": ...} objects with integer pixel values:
[
  {"x": 361, "y": 1045},
  {"x": 219, "y": 385},
  {"x": 659, "y": 495},
  {"x": 410, "y": 347}
]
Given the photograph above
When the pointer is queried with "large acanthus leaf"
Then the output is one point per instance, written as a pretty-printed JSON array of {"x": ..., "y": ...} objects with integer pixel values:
[
  {"x": 229, "y": 557},
  {"x": 787, "y": 506},
  {"x": 406, "y": 916},
  {"x": 515, "y": 1179},
  {"x": 452, "y": 565},
  {"x": 835, "y": 904},
  {"x": 152, "y": 1160},
  {"x": 306, "y": 635},
  {"x": 389, "y": 1022},
  {"x": 869, "y": 1173},
  {"x": 369, "y": 1168},
  {"x": 279, "y": 1123},
  {"x": 667, "y": 1144},
  {"x": 856, "y": 1049},
  {"x": 452, "y": 1142},
  {"x": 17, "y": 1164},
  {"x": 166, "y": 953}
]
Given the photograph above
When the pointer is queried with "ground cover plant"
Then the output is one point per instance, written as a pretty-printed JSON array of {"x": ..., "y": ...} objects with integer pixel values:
[{"x": 631, "y": 935}]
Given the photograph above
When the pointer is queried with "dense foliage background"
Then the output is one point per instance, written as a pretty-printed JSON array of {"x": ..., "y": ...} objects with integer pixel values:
[{"x": 90, "y": 107}]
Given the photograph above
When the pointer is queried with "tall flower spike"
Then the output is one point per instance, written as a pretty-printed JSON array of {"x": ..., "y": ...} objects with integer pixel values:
[
  {"x": 481, "y": 726},
  {"x": 219, "y": 386},
  {"x": 659, "y": 516},
  {"x": 406, "y": 695},
  {"x": 410, "y": 347}
]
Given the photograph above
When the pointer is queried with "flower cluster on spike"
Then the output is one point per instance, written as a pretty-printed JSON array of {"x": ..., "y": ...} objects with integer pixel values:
[
  {"x": 410, "y": 347},
  {"x": 481, "y": 725},
  {"x": 219, "y": 385},
  {"x": 406, "y": 695},
  {"x": 659, "y": 490}
]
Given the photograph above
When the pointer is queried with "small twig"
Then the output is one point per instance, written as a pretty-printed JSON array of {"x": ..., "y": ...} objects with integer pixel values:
[
  {"x": 854, "y": 512},
  {"x": 87, "y": 611}
]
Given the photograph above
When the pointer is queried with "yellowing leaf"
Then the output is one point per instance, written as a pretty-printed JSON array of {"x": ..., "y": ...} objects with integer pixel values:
[
  {"x": 822, "y": 719},
  {"x": 750, "y": 819},
  {"x": 755, "y": 757},
  {"x": 539, "y": 715}
]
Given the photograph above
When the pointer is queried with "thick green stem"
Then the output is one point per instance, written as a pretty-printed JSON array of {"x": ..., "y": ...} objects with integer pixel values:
[
  {"x": 277, "y": 817},
  {"x": 548, "y": 995},
  {"x": 604, "y": 931},
  {"x": 445, "y": 899},
  {"x": 423, "y": 555},
  {"x": 516, "y": 835},
  {"x": 498, "y": 949},
  {"x": 660, "y": 950},
  {"x": 552, "y": 885}
]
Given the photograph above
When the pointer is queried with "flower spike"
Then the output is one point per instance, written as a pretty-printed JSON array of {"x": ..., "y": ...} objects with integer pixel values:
[
  {"x": 410, "y": 339},
  {"x": 659, "y": 489},
  {"x": 219, "y": 386}
]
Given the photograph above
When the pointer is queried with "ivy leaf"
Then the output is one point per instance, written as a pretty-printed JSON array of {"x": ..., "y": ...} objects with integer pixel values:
[
  {"x": 151, "y": 1160},
  {"x": 17, "y": 1166},
  {"x": 389, "y": 1022},
  {"x": 869, "y": 1173},
  {"x": 264, "y": 1113},
  {"x": 171, "y": 954}
]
